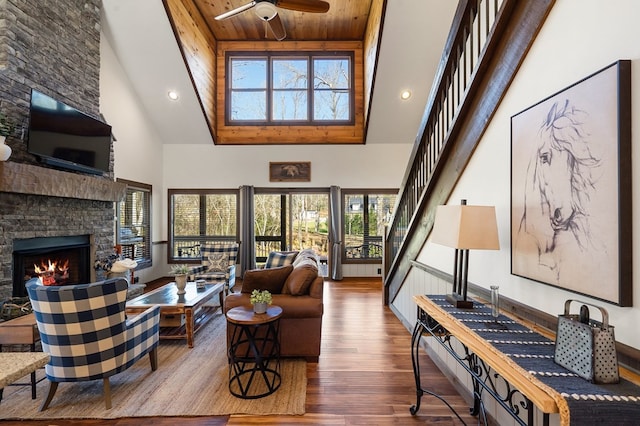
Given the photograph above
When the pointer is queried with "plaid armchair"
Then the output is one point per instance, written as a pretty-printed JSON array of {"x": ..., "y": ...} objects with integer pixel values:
[
  {"x": 84, "y": 330},
  {"x": 218, "y": 264}
]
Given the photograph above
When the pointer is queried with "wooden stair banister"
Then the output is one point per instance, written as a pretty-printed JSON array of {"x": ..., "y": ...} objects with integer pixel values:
[{"x": 472, "y": 79}]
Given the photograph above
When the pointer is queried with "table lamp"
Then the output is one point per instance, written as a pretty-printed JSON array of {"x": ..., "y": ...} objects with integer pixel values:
[{"x": 464, "y": 228}]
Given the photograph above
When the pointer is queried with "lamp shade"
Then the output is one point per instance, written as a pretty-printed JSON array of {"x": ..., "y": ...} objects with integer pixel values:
[{"x": 466, "y": 227}]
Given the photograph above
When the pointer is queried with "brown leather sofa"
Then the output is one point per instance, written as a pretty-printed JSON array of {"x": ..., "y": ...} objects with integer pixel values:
[{"x": 298, "y": 290}]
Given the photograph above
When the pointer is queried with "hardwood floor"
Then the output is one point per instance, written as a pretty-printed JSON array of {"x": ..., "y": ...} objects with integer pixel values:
[{"x": 364, "y": 375}]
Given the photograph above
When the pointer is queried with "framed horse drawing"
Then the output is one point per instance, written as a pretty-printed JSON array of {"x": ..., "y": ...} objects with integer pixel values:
[{"x": 571, "y": 188}]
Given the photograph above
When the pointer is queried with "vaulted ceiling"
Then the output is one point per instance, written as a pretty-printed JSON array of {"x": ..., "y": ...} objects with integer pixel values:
[
  {"x": 412, "y": 37},
  {"x": 345, "y": 20}
]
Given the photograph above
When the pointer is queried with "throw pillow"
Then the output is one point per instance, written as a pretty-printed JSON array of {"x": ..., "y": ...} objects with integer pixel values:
[
  {"x": 217, "y": 263},
  {"x": 306, "y": 261},
  {"x": 266, "y": 279},
  {"x": 299, "y": 280},
  {"x": 304, "y": 255},
  {"x": 280, "y": 258}
]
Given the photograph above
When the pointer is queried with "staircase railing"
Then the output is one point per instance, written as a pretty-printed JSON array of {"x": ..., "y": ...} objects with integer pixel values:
[{"x": 488, "y": 40}]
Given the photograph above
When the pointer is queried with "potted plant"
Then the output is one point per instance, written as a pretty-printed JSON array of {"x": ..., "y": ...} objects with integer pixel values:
[
  {"x": 6, "y": 129},
  {"x": 180, "y": 272},
  {"x": 260, "y": 299}
]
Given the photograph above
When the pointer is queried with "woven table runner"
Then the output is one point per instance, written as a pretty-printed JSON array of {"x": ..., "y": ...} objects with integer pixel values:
[{"x": 589, "y": 403}]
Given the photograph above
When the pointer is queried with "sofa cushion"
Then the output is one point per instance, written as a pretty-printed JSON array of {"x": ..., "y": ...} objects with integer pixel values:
[
  {"x": 299, "y": 280},
  {"x": 299, "y": 307},
  {"x": 280, "y": 258},
  {"x": 266, "y": 279}
]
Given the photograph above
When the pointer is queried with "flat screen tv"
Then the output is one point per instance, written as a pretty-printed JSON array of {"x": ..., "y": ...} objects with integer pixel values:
[{"x": 66, "y": 138}]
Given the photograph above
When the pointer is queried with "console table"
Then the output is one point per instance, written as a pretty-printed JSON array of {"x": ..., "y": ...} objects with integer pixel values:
[{"x": 515, "y": 367}]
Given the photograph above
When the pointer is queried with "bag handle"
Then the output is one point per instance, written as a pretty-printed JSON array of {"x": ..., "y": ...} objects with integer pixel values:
[{"x": 603, "y": 311}]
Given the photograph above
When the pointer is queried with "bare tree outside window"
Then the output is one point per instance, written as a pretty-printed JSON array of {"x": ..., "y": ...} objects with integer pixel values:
[
  {"x": 200, "y": 216},
  {"x": 308, "y": 88}
]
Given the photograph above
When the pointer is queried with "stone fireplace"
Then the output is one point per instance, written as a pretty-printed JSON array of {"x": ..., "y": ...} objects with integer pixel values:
[
  {"x": 55, "y": 260},
  {"x": 53, "y": 47},
  {"x": 42, "y": 208}
]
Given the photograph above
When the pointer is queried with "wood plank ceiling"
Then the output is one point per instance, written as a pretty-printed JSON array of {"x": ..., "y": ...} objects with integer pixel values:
[
  {"x": 351, "y": 26},
  {"x": 345, "y": 20}
]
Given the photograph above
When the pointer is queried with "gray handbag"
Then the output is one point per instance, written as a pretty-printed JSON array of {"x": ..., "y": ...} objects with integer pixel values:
[{"x": 585, "y": 346}]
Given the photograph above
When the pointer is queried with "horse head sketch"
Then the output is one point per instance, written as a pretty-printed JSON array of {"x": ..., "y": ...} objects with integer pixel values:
[{"x": 559, "y": 183}]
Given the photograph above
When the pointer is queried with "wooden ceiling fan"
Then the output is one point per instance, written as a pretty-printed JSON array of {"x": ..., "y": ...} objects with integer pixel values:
[{"x": 267, "y": 10}]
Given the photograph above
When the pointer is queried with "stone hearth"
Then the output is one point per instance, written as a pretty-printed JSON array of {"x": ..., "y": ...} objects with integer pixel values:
[{"x": 40, "y": 202}]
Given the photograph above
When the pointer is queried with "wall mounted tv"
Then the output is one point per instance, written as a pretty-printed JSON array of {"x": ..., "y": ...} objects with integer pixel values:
[{"x": 63, "y": 137}]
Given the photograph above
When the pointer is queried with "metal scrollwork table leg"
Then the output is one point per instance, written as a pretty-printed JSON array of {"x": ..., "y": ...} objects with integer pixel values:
[{"x": 418, "y": 331}]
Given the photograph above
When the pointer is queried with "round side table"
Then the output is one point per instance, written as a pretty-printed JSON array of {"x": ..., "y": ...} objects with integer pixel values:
[{"x": 254, "y": 352}]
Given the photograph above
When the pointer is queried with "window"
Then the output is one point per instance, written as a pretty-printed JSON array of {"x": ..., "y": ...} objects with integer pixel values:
[
  {"x": 134, "y": 223},
  {"x": 200, "y": 216},
  {"x": 366, "y": 213},
  {"x": 291, "y": 220},
  {"x": 313, "y": 88}
]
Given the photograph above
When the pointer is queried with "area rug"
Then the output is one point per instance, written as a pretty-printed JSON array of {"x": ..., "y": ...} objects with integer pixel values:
[{"x": 188, "y": 382}]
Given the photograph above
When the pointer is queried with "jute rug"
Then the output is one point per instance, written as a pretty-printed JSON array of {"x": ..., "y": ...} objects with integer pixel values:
[{"x": 188, "y": 382}]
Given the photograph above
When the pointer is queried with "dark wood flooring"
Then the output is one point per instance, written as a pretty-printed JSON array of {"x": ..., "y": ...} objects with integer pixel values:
[{"x": 364, "y": 375}]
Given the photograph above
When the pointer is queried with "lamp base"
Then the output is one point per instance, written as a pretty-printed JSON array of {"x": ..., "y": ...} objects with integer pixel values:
[{"x": 460, "y": 303}]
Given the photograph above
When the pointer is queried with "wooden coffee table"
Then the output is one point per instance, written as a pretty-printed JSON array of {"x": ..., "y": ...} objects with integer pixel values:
[{"x": 192, "y": 304}]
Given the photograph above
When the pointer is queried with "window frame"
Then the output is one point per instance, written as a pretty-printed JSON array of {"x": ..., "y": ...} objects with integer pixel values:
[
  {"x": 365, "y": 193},
  {"x": 286, "y": 195},
  {"x": 202, "y": 236},
  {"x": 269, "y": 57},
  {"x": 145, "y": 262}
]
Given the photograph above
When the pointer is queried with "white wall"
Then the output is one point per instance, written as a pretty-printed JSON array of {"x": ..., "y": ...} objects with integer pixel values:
[
  {"x": 579, "y": 38},
  {"x": 362, "y": 166},
  {"x": 143, "y": 155},
  {"x": 137, "y": 150}
]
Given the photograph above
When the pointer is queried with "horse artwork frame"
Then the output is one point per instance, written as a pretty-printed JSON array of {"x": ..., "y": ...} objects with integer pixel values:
[{"x": 571, "y": 188}]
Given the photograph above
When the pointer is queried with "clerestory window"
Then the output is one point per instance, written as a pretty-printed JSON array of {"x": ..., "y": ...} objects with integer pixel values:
[{"x": 306, "y": 88}]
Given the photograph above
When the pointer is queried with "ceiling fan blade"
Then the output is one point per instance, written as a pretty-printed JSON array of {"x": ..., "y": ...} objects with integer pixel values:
[
  {"x": 313, "y": 6},
  {"x": 277, "y": 28},
  {"x": 235, "y": 11}
]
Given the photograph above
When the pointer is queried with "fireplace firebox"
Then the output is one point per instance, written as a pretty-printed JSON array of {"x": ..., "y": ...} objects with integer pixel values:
[{"x": 56, "y": 260}]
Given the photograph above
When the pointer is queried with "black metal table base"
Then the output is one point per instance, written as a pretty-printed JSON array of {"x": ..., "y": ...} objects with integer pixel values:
[
  {"x": 254, "y": 360},
  {"x": 483, "y": 379},
  {"x": 33, "y": 382}
]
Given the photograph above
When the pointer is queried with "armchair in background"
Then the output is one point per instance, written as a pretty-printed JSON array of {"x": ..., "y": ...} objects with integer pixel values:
[
  {"x": 84, "y": 330},
  {"x": 218, "y": 264}
]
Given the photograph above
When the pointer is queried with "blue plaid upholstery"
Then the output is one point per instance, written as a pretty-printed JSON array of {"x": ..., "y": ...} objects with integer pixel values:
[
  {"x": 280, "y": 258},
  {"x": 84, "y": 330},
  {"x": 228, "y": 250}
]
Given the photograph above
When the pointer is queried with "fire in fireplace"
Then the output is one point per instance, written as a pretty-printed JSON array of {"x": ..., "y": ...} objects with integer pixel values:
[
  {"x": 53, "y": 273},
  {"x": 56, "y": 260}
]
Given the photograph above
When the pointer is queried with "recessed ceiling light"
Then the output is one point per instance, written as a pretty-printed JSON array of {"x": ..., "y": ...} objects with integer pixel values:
[
  {"x": 173, "y": 95},
  {"x": 405, "y": 94}
]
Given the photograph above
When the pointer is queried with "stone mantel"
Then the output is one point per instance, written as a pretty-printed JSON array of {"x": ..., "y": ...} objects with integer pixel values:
[{"x": 35, "y": 180}]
